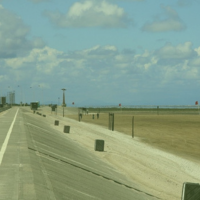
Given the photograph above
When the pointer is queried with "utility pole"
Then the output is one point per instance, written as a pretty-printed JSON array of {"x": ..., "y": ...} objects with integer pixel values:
[{"x": 63, "y": 104}]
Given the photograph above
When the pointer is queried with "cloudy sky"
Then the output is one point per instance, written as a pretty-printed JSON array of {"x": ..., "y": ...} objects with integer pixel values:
[{"x": 104, "y": 52}]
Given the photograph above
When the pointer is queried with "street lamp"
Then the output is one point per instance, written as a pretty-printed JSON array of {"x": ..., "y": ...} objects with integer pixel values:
[
  {"x": 20, "y": 95},
  {"x": 41, "y": 98},
  {"x": 11, "y": 96},
  {"x": 33, "y": 96},
  {"x": 63, "y": 104}
]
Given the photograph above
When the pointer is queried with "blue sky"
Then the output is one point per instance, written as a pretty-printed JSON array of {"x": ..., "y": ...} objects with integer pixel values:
[{"x": 104, "y": 52}]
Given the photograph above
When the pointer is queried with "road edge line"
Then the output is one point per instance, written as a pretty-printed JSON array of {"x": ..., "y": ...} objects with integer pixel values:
[{"x": 5, "y": 143}]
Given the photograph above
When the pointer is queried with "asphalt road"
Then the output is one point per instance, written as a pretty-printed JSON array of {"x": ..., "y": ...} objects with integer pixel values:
[{"x": 38, "y": 162}]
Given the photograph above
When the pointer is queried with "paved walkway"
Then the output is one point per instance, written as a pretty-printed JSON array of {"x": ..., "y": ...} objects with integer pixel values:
[{"x": 39, "y": 162}]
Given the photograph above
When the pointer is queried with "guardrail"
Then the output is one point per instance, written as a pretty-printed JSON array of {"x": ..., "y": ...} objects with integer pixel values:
[{"x": 4, "y": 109}]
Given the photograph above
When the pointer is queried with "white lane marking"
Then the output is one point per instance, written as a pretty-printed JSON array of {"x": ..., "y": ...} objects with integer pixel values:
[{"x": 4, "y": 146}]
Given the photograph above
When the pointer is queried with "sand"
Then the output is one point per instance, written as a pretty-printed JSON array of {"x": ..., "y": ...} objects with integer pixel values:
[{"x": 160, "y": 173}]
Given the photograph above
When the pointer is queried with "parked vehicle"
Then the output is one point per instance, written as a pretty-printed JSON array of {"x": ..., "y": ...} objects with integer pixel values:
[{"x": 34, "y": 105}]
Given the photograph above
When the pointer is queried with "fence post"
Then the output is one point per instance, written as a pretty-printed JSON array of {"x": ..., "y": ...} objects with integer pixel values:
[
  {"x": 157, "y": 110},
  {"x": 133, "y": 127},
  {"x": 79, "y": 115},
  {"x": 113, "y": 120},
  {"x": 109, "y": 121}
]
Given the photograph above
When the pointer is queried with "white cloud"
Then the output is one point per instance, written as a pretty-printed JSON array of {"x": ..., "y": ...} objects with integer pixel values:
[
  {"x": 13, "y": 36},
  {"x": 96, "y": 52},
  {"x": 3, "y": 78},
  {"x": 100, "y": 61},
  {"x": 39, "y": 1},
  {"x": 195, "y": 62},
  {"x": 197, "y": 50},
  {"x": 126, "y": 0},
  {"x": 185, "y": 2},
  {"x": 172, "y": 22},
  {"x": 90, "y": 13},
  {"x": 106, "y": 68},
  {"x": 181, "y": 51},
  {"x": 45, "y": 60}
]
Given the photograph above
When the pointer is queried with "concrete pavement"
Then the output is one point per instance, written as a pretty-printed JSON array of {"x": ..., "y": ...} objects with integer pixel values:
[{"x": 41, "y": 163}]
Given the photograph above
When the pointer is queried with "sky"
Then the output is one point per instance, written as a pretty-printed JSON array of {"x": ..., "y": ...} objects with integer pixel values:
[{"x": 103, "y": 52}]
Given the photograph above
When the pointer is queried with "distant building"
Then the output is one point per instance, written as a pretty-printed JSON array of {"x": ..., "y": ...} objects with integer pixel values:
[{"x": 3, "y": 100}]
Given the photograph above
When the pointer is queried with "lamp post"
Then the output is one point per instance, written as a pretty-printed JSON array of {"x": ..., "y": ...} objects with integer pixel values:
[
  {"x": 33, "y": 93},
  {"x": 10, "y": 96},
  {"x": 20, "y": 94},
  {"x": 41, "y": 97},
  {"x": 63, "y": 104}
]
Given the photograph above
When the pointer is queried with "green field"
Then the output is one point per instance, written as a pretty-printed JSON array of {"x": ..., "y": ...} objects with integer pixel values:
[
  {"x": 173, "y": 130},
  {"x": 145, "y": 110}
]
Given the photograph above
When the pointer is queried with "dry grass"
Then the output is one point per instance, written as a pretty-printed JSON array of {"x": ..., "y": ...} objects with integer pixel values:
[{"x": 178, "y": 134}]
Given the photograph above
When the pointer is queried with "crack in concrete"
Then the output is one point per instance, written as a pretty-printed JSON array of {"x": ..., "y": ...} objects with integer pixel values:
[{"x": 107, "y": 178}]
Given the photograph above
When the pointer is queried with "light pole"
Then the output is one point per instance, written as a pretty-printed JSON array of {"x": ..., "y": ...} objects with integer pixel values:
[
  {"x": 33, "y": 96},
  {"x": 9, "y": 96},
  {"x": 20, "y": 94},
  {"x": 39, "y": 95},
  {"x": 63, "y": 104},
  {"x": 41, "y": 98}
]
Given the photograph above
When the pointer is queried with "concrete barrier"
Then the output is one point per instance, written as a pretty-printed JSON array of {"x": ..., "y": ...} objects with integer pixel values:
[
  {"x": 80, "y": 116},
  {"x": 190, "y": 191},
  {"x": 66, "y": 129},
  {"x": 133, "y": 127},
  {"x": 111, "y": 120},
  {"x": 99, "y": 145},
  {"x": 56, "y": 123}
]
